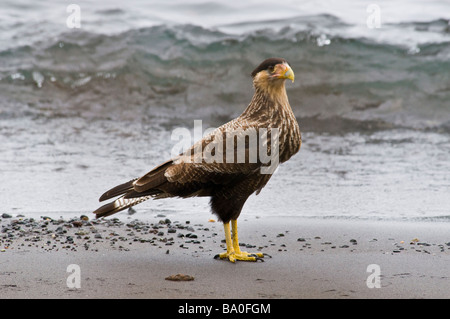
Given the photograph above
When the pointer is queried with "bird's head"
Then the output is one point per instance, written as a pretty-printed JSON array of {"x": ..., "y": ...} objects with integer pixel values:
[{"x": 272, "y": 73}]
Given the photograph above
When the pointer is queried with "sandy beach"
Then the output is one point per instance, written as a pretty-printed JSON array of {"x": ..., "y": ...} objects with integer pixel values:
[
  {"x": 306, "y": 258},
  {"x": 97, "y": 93}
]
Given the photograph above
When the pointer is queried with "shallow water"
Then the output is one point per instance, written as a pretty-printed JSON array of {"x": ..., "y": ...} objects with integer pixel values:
[
  {"x": 82, "y": 110},
  {"x": 393, "y": 174}
]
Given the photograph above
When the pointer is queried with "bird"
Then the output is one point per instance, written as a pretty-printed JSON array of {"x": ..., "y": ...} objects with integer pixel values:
[{"x": 209, "y": 168}]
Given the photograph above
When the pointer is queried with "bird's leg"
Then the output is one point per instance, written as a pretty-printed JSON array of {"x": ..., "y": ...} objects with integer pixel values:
[
  {"x": 233, "y": 252},
  {"x": 229, "y": 254},
  {"x": 241, "y": 255}
]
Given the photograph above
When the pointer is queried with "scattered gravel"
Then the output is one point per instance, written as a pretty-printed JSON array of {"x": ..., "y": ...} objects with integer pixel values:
[
  {"x": 81, "y": 233},
  {"x": 20, "y": 233}
]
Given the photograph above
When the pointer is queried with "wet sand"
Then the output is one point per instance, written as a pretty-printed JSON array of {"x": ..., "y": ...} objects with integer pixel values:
[{"x": 309, "y": 258}]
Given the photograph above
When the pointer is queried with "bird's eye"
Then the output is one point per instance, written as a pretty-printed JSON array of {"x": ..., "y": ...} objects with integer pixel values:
[{"x": 271, "y": 68}]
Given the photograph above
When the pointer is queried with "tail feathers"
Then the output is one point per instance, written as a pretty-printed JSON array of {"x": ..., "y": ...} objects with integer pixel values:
[
  {"x": 150, "y": 192},
  {"x": 118, "y": 205},
  {"x": 118, "y": 190}
]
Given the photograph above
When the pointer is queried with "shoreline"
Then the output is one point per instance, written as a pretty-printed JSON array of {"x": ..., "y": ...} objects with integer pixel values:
[{"x": 308, "y": 259}]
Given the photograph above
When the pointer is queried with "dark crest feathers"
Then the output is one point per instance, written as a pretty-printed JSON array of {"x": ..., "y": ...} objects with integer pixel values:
[{"x": 271, "y": 62}]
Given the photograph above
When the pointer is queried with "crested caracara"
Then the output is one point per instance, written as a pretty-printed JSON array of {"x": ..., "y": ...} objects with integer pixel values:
[{"x": 231, "y": 163}]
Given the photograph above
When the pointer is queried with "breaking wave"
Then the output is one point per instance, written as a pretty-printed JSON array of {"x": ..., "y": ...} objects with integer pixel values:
[{"x": 170, "y": 72}]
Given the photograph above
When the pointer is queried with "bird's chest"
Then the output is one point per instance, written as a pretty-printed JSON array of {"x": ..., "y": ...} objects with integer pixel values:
[{"x": 289, "y": 138}]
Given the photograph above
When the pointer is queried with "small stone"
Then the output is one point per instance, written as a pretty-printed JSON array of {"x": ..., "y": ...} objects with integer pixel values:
[
  {"x": 60, "y": 230},
  {"x": 301, "y": 239},
  {"x": 5, "y": 215},
  {"x": 423, "y": 244},
  {"x": 77, "y": 223},
  {"x": 180, "y": 277}
]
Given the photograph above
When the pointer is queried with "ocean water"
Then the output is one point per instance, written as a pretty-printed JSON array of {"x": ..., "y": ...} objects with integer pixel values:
[{"x": 85, "y": 107}]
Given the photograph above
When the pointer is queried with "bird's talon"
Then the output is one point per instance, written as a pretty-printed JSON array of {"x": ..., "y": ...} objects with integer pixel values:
[{"x": 243, "y": 256}]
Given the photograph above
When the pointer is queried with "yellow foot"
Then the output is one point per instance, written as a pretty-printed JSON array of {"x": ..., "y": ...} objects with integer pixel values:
[
  {"x": 241, "y": 255},
  {"x": 234, "y": 252}
]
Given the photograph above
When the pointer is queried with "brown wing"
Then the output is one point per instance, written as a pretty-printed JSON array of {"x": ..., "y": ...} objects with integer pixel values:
[{"x": 197, "y": 172}]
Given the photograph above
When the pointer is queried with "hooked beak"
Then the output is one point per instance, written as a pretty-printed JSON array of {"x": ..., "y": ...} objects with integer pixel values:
[{"x": 284, "y": 71}]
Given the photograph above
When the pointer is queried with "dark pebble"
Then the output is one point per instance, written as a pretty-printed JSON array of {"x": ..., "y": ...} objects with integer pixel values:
[
  {"x": 77, "y": 223},
  {"x": 301, "y": 239},
  {"x": 5, "y": 215},
  {"x": 423, "y": 244}
]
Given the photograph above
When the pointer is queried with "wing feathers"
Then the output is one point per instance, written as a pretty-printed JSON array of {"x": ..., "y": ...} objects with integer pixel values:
[
  {"x": 118, "y": 190},
  {"x": 182, "y": 176},
  {"x": 153, "y": 178}
]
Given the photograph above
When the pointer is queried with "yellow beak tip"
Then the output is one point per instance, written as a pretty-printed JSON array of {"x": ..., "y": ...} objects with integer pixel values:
[{"x": 289, "y": 75}]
